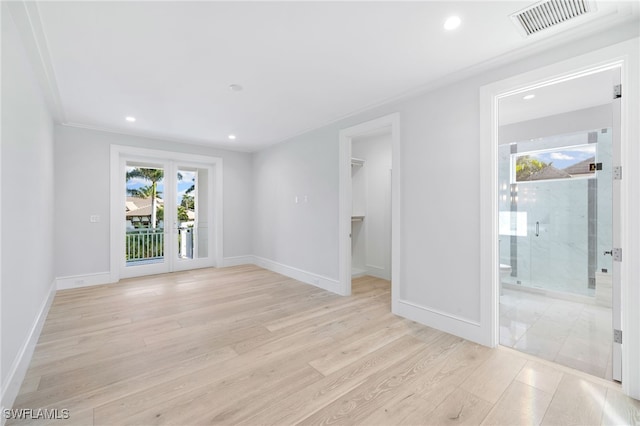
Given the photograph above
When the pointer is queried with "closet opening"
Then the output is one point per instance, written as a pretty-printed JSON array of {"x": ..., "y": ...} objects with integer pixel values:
[
  {"x": 369, "y": 208},
  {"x": 371, "y": 204}
]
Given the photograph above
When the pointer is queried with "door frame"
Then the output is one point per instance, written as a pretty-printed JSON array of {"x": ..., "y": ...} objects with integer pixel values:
[
  {"x": 623, "y": 56},
  {"x": 117, "y": 225},
  {"x": 345, "y": 202}
]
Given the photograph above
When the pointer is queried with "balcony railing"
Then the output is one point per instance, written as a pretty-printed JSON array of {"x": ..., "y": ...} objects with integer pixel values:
[{"x": 144, "y": 245}]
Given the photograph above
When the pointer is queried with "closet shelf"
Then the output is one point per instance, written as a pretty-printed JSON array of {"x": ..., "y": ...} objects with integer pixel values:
[
  {"x": 357, "y": 218},
  {"x": 357, "y": 162}
]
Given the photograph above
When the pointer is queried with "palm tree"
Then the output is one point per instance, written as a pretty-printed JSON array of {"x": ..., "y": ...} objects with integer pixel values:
[
  {"x": 154, "y": 176},
  {"x": 142, "y": 192},
  {"x": 191, "y": 188}
]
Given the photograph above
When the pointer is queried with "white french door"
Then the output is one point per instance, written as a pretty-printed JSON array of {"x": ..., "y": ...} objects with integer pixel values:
[
  {"x": 191, "y": 232},
  {"x": 145, "y": 210},
  {"x": 166, "y": 212}
]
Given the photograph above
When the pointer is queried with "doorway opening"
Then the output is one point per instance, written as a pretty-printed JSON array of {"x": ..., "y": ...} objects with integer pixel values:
[
  {"x": 371, "y": 204},
  {"x": 369, "y": 225},
  {"x": 558, "y": 207}
]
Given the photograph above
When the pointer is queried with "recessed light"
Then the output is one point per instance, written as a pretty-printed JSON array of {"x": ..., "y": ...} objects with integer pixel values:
[
  {"x": 235, "y": 87},
  {"x": 232, "y": 137},
  {"x": 130, "y": 119},
  {"x": 529, "y": 97},
  {"x": 452, "y": 23}
]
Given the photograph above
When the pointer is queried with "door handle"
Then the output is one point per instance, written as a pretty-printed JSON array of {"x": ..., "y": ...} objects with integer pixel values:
[
  {"x": 537, "y": 229},
  {"x": 610, "y": 253}
]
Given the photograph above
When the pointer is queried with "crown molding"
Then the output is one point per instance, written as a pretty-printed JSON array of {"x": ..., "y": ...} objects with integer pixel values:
[
  {"x": 160, "y": 137},
  {"x": 26, "y": 17}
]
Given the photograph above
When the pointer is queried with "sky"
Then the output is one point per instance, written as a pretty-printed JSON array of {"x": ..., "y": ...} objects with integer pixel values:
[
  {"x": 565, "y": 157},
  {"x": 183, "y": 184}
]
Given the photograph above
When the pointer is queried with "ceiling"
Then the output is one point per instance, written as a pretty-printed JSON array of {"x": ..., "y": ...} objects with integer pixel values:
[
  {"x": 301, "y": 65},
  {"x": 570, "y": 95}
]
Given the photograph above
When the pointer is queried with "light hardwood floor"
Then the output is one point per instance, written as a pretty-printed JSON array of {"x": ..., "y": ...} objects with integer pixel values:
[{"x": 246, "y": 346}]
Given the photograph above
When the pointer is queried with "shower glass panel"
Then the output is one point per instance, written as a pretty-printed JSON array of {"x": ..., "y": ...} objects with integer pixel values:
[{"x": 553, "y": 229}]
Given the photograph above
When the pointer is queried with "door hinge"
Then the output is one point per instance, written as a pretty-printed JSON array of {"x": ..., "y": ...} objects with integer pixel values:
[
  {"x": 617, "y": 173},
  {"x": 617, "y": 336},
  {"x": 617, "y": 254},
  {"x": 617, "y": 91}
]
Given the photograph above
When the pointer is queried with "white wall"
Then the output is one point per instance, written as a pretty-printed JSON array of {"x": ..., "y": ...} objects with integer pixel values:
[
  {"x": 82, "y": 188},
  {"x": 440, "y": 202},
  {"x": 27, "y": 210},
  {"x": 372, "y": 237},
  {"x": 598, "y": 117},
  {"x": 303, "y": 234}
]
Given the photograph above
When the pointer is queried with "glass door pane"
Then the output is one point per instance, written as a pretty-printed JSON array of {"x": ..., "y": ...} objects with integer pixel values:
[
  {"x": 144, "y": 214},
  {"x": 192, "y": 213},
  {"x": 549, "y": 199},
  {"x": 186, "y": 212}
]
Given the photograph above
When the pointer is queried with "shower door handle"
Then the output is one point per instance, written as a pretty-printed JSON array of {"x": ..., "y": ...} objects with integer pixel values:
[{"x": 537, "y": 229}]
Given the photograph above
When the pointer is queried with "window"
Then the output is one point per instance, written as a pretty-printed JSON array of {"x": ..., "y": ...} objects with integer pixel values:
[{"x": 558, "y": 163}]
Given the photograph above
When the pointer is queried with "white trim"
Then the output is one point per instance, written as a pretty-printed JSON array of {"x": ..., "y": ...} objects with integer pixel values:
[
  {"x": 26, "y": 16},
  {"x": 307, "y": 277},
  {"x": 377, "y": 271},
  {"x": 344, "y": 209},
  {"x": 2, "y": 420},
  {"x": 443, "y": 321},
  {"x": 185, "y": 140},
  {"x": 238, "y": 260},
  {"x": 85, "y": 280},
  {"x": 20, "y": 365},
  {"x": 118, "y": 152},
  {"x": 623, "y": 55},
  {"x": 489, "y": 259},
  {"x": 320, "y": 281}
]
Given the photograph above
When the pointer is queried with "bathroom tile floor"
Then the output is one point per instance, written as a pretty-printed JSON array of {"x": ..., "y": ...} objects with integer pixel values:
[{"x": 576, "y": 335}]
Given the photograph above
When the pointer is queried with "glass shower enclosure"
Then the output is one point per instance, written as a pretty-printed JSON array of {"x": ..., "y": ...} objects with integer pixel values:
[{"x": 555, "y": 203}]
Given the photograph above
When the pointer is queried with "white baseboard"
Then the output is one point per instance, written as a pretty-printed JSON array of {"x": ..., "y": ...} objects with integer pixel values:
[
  {"x": 378, "y": 272},
  {"x": 358, "y": 272},
  {"x": 21, "y": 363},
  {"x": 323, "y": 282},
  {"x": 289, "y": 271},
  {"x": 76, "y": 281},
  {"x": 238, "y": 260},
  {"x": 458, "y": 326}
]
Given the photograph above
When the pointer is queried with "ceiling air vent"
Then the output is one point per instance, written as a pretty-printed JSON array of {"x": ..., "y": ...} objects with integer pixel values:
[{"x": 547, "y": 14}]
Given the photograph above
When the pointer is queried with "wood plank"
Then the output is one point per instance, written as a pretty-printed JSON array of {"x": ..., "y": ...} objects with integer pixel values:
[
  {"x": 356, "y": 405},
  {"x": 576, "y": 402},
  {"x": 490, "y": 381},
  {"x": 619, "y": 409},
  {"x": 295, "y": 407},
  {"x": 244, "y": 345},
  {"x": 520, "y": 404},
  {"x": 414, "y": 403}
]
